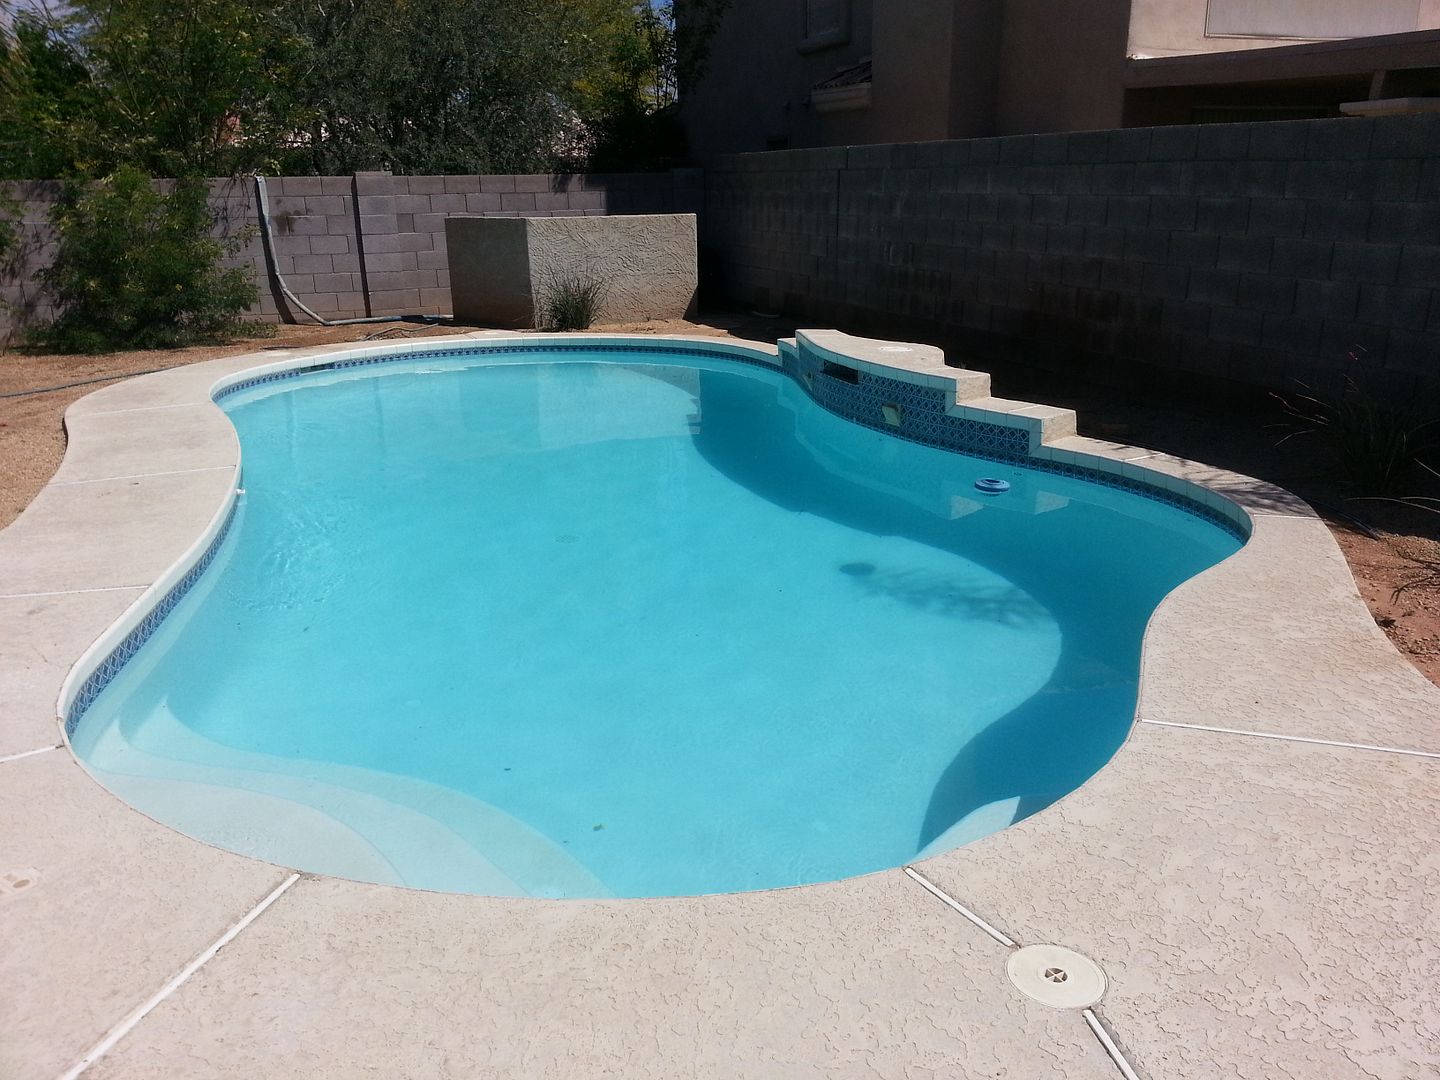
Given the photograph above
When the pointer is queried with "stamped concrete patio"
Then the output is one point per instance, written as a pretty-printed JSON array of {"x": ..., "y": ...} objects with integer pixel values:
[{"x": 1256, "y": 870}]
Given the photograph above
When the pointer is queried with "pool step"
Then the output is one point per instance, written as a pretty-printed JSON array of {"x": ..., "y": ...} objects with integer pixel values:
[
  {"x": 355, "y": 822},
  {"x": 970, "y": 397}
]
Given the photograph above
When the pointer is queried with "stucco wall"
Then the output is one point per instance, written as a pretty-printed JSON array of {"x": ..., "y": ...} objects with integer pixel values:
[
  {"x": 914, "y": 53},
  {"x": 1178, "y": 27},
  {"x": 1061, "y": 65},
  {"x": 969, "y": 68},
  {"x": 502, "y": 272},
  {"x": 755, "y": 89}
]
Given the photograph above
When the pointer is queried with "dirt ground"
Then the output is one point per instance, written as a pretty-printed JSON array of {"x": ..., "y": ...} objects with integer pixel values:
[{"x": 1393, "y": 550}]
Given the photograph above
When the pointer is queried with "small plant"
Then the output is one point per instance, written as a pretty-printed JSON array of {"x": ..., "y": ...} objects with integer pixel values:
[
  {"x": 1427, "y": 571},
  {"x": 139, "y": 268},
  {"x": 570, "y": 303},
  {"x": 1374, "y": 442}
]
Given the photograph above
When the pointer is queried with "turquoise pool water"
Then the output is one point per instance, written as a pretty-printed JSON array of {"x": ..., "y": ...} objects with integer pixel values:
[{"x": 591, "y": 624}]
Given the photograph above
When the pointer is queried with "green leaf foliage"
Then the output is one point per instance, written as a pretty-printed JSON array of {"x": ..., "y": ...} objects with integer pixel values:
[
  {"x": 137, "y": 267},
  {"x": 179, "y": 90},
  {"x": 221, "y": 87}
]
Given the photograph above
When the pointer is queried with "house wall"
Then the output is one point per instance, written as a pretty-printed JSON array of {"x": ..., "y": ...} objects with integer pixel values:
[
  {"x": 755, "y": 90},
  {"x": 970, "y": 68},
  {"x": 1180, "y": 27},
  {"x": 1062, "y": 65},
  {"x": 914, "y": 49},
  {"x": 975, "y": 72},
  {"x": 1240, "y": 255}
]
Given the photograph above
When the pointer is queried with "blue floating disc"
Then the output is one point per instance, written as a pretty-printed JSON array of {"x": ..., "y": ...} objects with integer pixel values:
[{"x": 992, "y": 485}]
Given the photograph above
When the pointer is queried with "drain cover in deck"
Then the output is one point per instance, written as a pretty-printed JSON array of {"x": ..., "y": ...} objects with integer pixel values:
[{"x": 1056, "y": 976}]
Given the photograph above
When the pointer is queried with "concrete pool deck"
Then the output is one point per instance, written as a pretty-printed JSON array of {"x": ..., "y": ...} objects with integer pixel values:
[{"x": 1257, "y": 871}]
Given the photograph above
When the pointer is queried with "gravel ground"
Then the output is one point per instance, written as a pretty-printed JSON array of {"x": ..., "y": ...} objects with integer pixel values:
[{"x": 1393, "y": 550}]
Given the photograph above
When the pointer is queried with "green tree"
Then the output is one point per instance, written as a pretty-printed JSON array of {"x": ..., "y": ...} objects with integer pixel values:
[
  {"x": 435, "y": 86},
  {"x": 192, "y": 89},
  {"x": 216, "y": 87},
  {"x": 46, "y": 99},
  {"x": 654, "y": 51}
]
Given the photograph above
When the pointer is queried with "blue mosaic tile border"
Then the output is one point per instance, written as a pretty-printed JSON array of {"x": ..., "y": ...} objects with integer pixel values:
[
  {"x": 471, "y": 350},
  {"x": 120, "y": 655},
  {"x": 925, "y": 420}
]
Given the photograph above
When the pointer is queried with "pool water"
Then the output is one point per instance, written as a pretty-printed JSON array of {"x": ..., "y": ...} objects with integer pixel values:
[{"x": 589, "y": 624}]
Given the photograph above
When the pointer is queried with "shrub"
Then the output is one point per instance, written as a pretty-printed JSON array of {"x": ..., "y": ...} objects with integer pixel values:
[
  {"x": 137, "y": 267},
  {"x": 570, "y": 303},
  {"x": 1375, "y": 441}
]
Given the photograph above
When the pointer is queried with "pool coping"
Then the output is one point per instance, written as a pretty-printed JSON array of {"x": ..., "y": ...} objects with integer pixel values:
[{"x": 1346, "y": 651}]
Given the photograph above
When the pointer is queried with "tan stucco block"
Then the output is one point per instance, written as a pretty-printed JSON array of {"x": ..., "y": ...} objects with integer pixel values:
[{"x": 501, "y": 269}]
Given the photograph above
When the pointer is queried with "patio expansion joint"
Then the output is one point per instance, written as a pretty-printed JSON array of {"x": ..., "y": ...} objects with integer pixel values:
[
  {"x": 949, "y": 901},
  {"x": 30, "y": 753},
  {"x": 1107, "y": 1042},
  {"x": 138, "y": 476},
  {"x": 1296, "y": 738},
  {"x": 71, "y": 592},
  {"x": 147, "y": 408},
  {"x": 128, "y": 1023}
]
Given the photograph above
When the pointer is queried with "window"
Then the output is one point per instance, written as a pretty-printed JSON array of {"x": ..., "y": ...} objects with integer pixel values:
[{"x": 827, "y": 23}]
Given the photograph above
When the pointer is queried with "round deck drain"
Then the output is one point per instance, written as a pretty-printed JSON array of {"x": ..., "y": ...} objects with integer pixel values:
[{"x": 1056, "y": 976}]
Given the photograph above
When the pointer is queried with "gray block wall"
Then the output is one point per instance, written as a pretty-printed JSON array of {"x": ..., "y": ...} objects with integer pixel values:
[
  {"x": 369, "y": 244},
  {"x": 1264, "y": 255},
  {"x": 21, "y": 298}
]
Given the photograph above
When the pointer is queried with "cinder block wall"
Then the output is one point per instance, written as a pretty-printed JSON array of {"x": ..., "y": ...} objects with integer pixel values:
[
  {"x": 369, "y": 244},
  {"x": 1262, "y": 255}
]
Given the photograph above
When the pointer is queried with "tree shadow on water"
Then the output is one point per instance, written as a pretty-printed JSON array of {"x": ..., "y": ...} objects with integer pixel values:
[
  {"x": 948, "y": 595},
  {"x": 1050, "y": 743}
]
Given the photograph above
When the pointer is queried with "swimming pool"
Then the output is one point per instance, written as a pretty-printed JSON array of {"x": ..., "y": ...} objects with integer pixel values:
[{"x": 586, "y": 621}]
